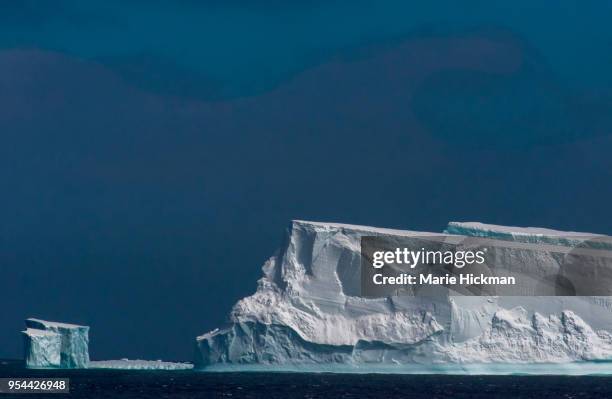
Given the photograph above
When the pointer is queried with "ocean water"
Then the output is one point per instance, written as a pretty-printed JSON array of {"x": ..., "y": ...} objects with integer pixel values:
[{"x": 194, "y": 384}]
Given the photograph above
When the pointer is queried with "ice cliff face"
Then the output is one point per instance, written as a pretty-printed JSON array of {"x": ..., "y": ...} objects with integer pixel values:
[
  {"x": 52, "y": 344},
  {"x": 307, "y": 310},
  {"x": 42, "y": 348}
]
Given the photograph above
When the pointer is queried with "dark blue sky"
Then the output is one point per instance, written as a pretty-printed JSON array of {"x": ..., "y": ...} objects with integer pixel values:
[{"x": 152, "y": 153}]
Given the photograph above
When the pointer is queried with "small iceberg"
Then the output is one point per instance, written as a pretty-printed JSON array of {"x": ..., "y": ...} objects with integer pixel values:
[
  {"x": 50, "y": 344},
  {"x": 127, "y": 364}
]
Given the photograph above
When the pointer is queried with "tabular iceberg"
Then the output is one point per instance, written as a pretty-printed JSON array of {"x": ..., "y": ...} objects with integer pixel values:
[
  {"x": 308, "y": 313},
  {"x": 129, "y": 364},
  {"x": 49, "y": 344},
  {"x": 53, "y": 344}
]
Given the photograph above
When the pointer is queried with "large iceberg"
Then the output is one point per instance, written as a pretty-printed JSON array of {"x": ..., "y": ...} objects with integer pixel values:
[
  {"x": 308, "y": 312},
  {"x": 53, "y": 344}
]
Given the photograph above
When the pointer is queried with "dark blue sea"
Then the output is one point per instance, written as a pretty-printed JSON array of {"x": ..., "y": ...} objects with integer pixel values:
[{"x": 192, "y": 384}]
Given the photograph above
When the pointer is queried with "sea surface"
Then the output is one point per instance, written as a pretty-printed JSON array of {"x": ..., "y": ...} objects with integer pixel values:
[{"x": 193, "y": 384}]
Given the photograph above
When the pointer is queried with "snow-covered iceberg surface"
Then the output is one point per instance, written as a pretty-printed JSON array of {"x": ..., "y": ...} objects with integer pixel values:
[
  {"x": 530, "y": 234},
  {"x": 127, "y": 364},
  {"x": 52, "y": 344},
  {"x": 307, "y": 313}
]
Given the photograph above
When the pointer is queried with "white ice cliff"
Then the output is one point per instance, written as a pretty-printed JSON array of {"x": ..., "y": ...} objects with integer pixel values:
[
  {"x": 52, "y": 344},
  {"x": 42, "y": 348},
  {"x": 308, "y": 311}
]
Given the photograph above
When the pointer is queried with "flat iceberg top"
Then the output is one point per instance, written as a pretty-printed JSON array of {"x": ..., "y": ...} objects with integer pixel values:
[
  {"x": 452, "y": 226},
  {"x": 531, "y": 234},
  {"x": 34, "y": 332},
  {"x": 127, "y": 364},
  {"x": 50, "y": 324},
  {"x": 459, "y": 228},
  {"x": 359, "y": 228}
]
